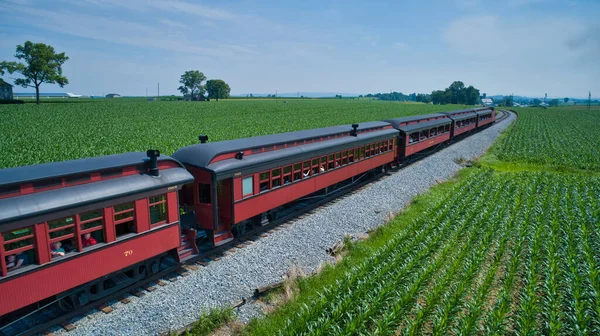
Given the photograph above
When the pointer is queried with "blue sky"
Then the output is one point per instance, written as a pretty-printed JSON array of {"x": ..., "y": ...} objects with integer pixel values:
[{"x": 525, "y": 47}]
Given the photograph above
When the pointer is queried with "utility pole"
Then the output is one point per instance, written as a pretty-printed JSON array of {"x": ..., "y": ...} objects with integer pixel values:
[{"x": 589, "y": 100}]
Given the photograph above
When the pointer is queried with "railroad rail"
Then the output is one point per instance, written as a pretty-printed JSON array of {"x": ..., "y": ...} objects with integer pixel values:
[{"x": 50, "y": 315}]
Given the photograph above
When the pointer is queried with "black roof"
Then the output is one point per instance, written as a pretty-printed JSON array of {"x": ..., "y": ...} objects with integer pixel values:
[
  {"x": 463, "y": 116},
  {"x": 200, "y": 155},
  {"x": 277, "y": 158},
  {"x": 30, "y": 205},
  {"x": 50, "y": 170},
  {"x": 425, "y": 125},
  {"x": 482, "y": 112},
  {"x": 397, "y": 121},
  {"x": 463, "y": 111}
]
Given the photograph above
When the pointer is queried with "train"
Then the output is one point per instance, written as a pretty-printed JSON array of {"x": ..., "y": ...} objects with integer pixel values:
[{"x": 74, "y": 232}]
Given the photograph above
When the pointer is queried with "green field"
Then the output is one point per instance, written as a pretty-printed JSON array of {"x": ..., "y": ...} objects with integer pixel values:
[
  {"x": 511, "y": 247},
  {"x": 556, "y": 138},
  {"x": 497, "y": 253},
  {"x": 76, "y": 129}
]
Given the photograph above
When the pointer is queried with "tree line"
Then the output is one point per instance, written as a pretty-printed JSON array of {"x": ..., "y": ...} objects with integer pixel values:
[
  {"x": 42, "y": 65},
  {"x": 456, "y": 93}
]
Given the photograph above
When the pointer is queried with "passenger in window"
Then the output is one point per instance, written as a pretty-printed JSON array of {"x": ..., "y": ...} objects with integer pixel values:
[
  {"x": 15, "y": 261},
  {"x": 322, "y": 169},
  {"x": 306, "y": 173},
  {"x": 57, "y": 250},
  {"x": 88, "y": 240}
]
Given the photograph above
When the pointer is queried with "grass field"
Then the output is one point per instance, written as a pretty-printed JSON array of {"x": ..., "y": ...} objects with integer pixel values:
[{"x": 75, "y": 129}]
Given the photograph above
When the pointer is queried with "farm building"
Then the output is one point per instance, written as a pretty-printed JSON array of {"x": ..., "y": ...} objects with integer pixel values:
[
  {"x": 487, "y": 102},
  {"x": 113, "y": 95},
  {"x": 6, "y": 92}
]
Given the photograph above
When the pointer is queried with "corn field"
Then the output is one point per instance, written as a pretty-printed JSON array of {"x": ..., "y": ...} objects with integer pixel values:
[
  {"x": 78, "y": 129},
  {"x": 502, "y": 253},
  {"x": 559, "y": 137}
]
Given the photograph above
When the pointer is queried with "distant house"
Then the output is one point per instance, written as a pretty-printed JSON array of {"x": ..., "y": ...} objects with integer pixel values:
[
  {"x": 6, "y": 92},
  {"x": 487, "y": 101},
  {"x": 113, "y": 95}
]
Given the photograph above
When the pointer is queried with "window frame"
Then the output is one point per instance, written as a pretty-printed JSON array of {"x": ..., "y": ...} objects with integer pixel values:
[
  {"x": 166, "y": 206},
  {"x": 22, "y": 249}
]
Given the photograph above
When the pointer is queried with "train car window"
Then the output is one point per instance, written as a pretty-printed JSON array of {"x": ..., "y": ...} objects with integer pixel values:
[
  {"x": 91, "y": 226},
  {"x": 61, "y": 236},
  {"x": 9, "y": 190},
  {"x": 306, "y": 169},
  {"x": 247, "y": 186},
  {"x": 297, "y": 171},
  {"x": 264, "y": 181},
  {"x": 362, "y": 152},
  {"x": 447, "y": 128},
  {"x": 315, "y": 166},
  {"x": 158, "y": 210},
  {"x": 47, "y": 183},
  {"x": 204, "y": 193},
  {"x": 367, "y": 150},
  {"x": 111, "y": 172},
  {"x": 357, "y": 153},
  {"x": 433, "y": 132},
  {"x": 424, "y": 135},
  {"x": 78, "y": 178},
  {"x": 276, "y": 178},
  {"x": 19, "y": 250},
  {"x": 124, "y": 218}
]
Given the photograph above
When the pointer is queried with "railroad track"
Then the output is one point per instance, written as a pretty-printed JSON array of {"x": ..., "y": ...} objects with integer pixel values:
[{"x": 50, "y": 317}]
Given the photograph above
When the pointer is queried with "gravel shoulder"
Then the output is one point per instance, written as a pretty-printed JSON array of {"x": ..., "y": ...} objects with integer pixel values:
[{"x": 266, "y": 261}]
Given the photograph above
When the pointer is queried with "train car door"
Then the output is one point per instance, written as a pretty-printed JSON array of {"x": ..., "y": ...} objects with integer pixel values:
[{"x": 225, "y": 202}]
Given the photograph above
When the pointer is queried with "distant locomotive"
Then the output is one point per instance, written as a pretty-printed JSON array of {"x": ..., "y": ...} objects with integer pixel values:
[{"x": 76, "y": 231}]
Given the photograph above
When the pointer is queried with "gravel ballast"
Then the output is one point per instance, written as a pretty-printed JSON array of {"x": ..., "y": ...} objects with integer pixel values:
[{"x": 266, "y": 261}]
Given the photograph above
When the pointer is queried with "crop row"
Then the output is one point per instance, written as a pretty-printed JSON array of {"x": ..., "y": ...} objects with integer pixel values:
[
  {"x": 502, "y": 253},
  {"x": 558, "y": 137},
  {"x": 54, "y": 132}
]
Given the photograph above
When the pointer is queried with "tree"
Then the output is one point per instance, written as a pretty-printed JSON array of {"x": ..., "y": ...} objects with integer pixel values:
[
  {"x": 536, "y": 101},
  {"x": 42, "y": 65},
  {"x": 472, "y": 95},
  {"x": 566, "y": 100},
  {"x": 553, "y": 102},
  {"x": 437, "y": 97},
  {"x": 217, "y": 89},
  {"x": 192, "y": 84}
]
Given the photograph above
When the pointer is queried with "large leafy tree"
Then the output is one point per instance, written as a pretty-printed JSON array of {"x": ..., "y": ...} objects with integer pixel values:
[
  {"x": 41, "y": 65},
  {"x": 217, "y": 89},
  {"x": 192, "y": 83}
]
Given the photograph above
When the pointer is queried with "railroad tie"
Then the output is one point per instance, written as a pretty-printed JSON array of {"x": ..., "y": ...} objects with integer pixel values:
[
  {"x": 67, "y": 326},
  {"x": 105, "y": 309}
]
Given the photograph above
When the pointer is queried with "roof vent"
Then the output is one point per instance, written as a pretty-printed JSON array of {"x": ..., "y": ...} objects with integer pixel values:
[
  {"x": 239, "y": 155},
  {"x": 353, "y": 132},
  {"x": 153, "y": 154},
  {"x": 203, "y": 138}
]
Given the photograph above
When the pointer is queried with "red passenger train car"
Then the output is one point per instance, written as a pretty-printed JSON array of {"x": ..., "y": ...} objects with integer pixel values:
[
  {"x": 240, "y": 182},
  {"x": 78, "y": 230},
  {"x": 74, "y": 232}
]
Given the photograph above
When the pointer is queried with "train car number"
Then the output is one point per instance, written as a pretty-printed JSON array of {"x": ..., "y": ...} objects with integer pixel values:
[{"x": 128, "y": 253}]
